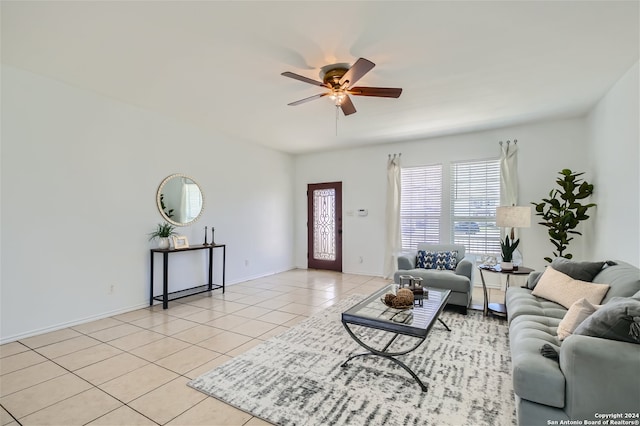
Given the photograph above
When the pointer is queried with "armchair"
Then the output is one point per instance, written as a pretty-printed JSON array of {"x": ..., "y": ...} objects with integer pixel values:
[{"x": 457, "y": 280}]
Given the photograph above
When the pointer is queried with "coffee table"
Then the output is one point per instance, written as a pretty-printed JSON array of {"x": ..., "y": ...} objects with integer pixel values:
[{"x": 415, "y": 322}]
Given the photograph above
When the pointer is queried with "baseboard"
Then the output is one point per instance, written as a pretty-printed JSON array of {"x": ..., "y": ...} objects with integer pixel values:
[
  {"x": 490, "y": 286},
  {"x": 258, "y": 276},
  {"x": 145, "y": 304},
  {"x": 68, "y": 324}
]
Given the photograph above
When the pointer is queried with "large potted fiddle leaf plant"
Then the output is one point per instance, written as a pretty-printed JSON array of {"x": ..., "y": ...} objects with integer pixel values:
[{"x": 563, "y": 211}]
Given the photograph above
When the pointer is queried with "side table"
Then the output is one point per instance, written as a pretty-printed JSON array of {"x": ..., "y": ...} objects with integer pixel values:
[{"x": 499, "y": 309}]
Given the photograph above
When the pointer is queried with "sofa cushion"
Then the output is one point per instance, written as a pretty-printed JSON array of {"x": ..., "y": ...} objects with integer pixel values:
[
  {"x": 577, "y": 313},
  {"x": 520, "y": 301},
  {"x": 561, "y": 288},
  {"x": 536, "y": 378},
  {"x": 623, "y": 278},
  {"x": 440, "y": 260},
  {"x": 619, "y": 319},
  {"x": 583, "y": 271}
]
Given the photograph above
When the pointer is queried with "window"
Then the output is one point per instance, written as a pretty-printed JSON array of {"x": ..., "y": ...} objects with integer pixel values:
[
  {"x": 475, "y": 194},
  {"x": 420, "y": 205},
  {"x": 193, "y": 201}
]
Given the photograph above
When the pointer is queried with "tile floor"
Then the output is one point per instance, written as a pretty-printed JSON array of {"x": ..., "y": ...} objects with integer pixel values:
[{"x": 132, "y": 369}]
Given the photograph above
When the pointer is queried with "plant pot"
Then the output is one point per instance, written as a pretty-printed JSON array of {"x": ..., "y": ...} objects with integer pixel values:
[
  {"x": 163, "y": 243},
  {"x": 506, "y": 266}
]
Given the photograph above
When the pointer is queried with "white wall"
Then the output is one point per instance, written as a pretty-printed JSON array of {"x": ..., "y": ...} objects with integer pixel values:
[
  {"x": 79, "y": 179},
  {"x": 544, "y": 149},
  {"x": 69, "y": 231},
  {"x": 614, "y": 157}
]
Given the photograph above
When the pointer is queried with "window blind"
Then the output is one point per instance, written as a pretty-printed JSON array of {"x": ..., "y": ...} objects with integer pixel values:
[
  {"x": 420, "y": 205},
  {"x": 475, "y": 194}
]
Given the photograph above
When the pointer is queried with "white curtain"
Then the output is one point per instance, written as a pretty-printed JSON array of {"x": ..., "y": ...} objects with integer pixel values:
[
  {"x": 509, "y": 173},
  {"x": 393, "y": 238},
  {"x": 509, "y": 185}
]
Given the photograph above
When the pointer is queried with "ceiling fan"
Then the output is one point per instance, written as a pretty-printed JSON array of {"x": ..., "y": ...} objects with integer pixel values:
[{"x": 339, "y": 79}]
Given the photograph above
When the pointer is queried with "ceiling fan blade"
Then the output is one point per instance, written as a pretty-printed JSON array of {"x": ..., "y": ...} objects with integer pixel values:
[
  {"x": 356, "y": 72},
  {"x": 382, "y": 92},
  {"x": 347, "y": 106},
  {"x": 303, "y": 78},
  {"x": 310, "y": 98}
]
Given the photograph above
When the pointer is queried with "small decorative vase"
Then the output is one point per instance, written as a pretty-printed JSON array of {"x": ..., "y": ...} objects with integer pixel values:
[
  {"x": 163, "y": 243},
  {"x": 506, "y": 266}
]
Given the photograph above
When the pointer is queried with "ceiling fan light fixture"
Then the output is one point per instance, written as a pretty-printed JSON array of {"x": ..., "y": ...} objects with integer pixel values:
[
  {"x": 339, "y": 79},
  {"x": 338, "y": 96}
]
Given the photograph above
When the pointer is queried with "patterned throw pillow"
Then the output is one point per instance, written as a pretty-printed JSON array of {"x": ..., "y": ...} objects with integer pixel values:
[{"x": 440, "y": 260}]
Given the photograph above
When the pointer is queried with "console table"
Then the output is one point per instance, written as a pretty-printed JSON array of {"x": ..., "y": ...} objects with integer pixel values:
[
  {"x": 499, "y": 309},
  {"x": 166, "y": 296}
]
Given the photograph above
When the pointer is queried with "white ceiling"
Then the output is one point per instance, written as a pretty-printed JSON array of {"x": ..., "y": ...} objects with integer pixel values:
[{"x": 464, "y": 66}]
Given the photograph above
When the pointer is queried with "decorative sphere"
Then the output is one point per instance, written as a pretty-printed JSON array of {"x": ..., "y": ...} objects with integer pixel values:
[
  {"x": 403, "y": 298},
  {"x": 389, "y": 298}
]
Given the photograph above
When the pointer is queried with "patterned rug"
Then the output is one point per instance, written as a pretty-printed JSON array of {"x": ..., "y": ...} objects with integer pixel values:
[{"x": 296, "y": 379}]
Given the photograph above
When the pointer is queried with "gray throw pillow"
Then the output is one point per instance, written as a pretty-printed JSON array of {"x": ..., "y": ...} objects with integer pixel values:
[
  {"x": 618, "y": 319},
  {"x": 583, "y": 271}
]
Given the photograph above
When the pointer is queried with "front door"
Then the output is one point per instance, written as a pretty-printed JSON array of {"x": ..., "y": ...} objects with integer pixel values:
[{"x": 324, "y": 223}]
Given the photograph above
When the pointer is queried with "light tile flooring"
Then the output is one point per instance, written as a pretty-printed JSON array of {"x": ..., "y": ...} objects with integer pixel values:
[{"x": 132, "y": 369}]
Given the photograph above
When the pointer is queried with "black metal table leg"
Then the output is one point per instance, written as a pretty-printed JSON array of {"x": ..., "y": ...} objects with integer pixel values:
[
  {"x": 388, "y": 355},
  {"x": 151, "y": 282},
  {"x": 445, "y": 325},
  {"x": 224, "y": 262},
  {"x": 165, "y": 281},
  {"x": 210, "y": 267}
]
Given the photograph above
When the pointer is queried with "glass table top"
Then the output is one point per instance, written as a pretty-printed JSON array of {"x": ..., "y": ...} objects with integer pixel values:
[{"x": 416, "y": 321}]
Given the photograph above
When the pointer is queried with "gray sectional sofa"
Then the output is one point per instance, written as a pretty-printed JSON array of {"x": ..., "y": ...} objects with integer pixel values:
[
  {"x": 457, "y": 280},
  {"x": 594, "y": 377}
]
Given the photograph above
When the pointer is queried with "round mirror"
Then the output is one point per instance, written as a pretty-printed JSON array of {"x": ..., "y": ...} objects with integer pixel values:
[{"x": 180, "y": 200}]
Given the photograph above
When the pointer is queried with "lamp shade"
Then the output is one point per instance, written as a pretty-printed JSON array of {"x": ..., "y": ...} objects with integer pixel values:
[{"x": 513, "y": 216}]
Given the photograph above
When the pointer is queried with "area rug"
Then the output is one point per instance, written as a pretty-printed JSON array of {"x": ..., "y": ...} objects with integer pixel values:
[{"x": 296, "y": 378}]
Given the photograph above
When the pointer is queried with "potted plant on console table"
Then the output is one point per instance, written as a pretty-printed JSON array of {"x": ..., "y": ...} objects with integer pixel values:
[{"x": 163, "y": 232}]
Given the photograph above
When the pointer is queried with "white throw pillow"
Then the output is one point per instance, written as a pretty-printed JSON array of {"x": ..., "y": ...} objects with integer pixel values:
[
  {"x": 563, "y": 289},
  {"x": 578, "y": 312}
]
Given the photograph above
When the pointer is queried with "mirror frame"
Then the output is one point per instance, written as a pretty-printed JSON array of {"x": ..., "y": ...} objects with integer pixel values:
[{"x": 159, "y": 205}]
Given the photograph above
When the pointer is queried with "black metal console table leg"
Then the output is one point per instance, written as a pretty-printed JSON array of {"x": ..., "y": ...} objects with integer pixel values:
[
  {"x": 165, "y": 281},
  {"x": 210, "y": 268},
  {"x": 151, "y": 283},
  {"x": 224, "y": 263}
]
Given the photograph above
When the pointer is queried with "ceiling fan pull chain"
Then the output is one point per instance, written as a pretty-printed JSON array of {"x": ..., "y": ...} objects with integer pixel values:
[{"x": 337, "y": 116}]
